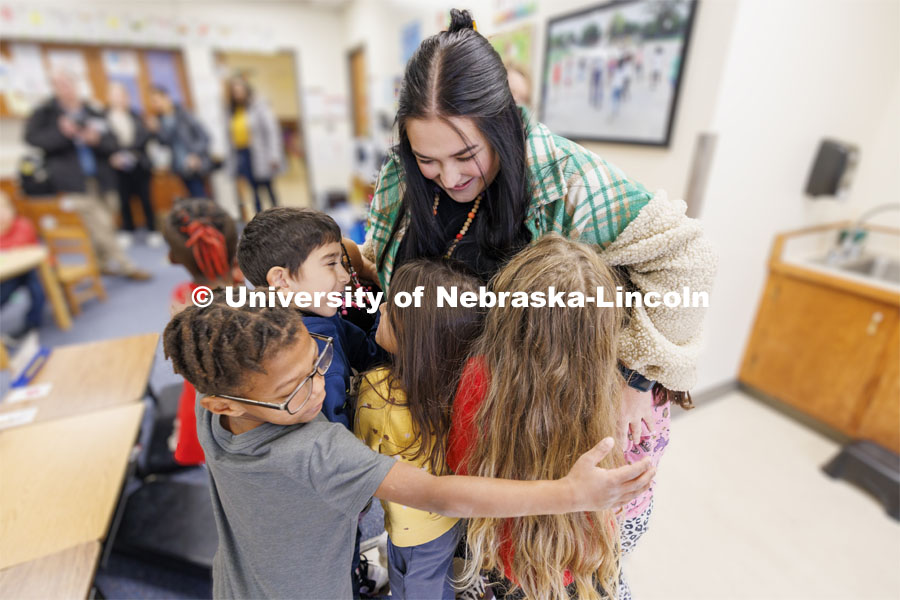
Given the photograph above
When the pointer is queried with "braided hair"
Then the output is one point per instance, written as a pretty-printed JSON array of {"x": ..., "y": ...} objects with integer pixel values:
[
  {"x": 202, "y": 237},
  {"x": 215, "y": 346}
]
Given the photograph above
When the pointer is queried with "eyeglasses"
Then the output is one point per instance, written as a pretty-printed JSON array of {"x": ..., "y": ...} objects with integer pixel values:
[{"x": 297, "y": 399}]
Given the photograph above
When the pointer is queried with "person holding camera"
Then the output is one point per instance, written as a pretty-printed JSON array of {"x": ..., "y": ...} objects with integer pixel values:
[{"x": 76, "y": 143}]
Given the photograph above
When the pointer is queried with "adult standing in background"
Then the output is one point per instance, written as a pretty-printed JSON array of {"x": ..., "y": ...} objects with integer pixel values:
[
  {"x": 129, "y": 160},
  {"x": 77, "y": 144},
  {"x": 256, "y": 139},
  {"x": 178, "y": 129}
]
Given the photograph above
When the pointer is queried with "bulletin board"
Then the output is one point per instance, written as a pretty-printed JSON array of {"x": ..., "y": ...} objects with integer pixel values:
[{"x": 26, "y": 67}]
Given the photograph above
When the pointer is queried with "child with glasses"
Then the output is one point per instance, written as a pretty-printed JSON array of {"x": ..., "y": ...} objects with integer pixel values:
[
  {"x": 287, "y": 485},
  {"x": 405, "y": 412},
  {"x": 299, "y": 250}
]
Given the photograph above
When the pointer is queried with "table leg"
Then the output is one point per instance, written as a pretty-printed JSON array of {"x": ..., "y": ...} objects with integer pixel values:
[{"x": 51, "y": 288}]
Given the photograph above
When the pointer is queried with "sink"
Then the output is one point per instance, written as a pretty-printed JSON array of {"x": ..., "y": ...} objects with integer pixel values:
[
  {"x": 878, "y": 267},
  {"x": 881, "y": 268}
]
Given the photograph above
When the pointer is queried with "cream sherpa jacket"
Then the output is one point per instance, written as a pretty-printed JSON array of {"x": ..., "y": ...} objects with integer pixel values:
[{"x": 662, "y": 251}]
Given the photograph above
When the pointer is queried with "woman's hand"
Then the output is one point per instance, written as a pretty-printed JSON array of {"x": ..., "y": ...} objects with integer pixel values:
[
  {"x": 637, "y": 409},
  {"x": 365, "y": 268},
  {"x": 593, "y": 488}
]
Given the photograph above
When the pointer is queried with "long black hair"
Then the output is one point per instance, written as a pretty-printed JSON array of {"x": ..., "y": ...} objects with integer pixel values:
[{"x": 457, "y": 73}]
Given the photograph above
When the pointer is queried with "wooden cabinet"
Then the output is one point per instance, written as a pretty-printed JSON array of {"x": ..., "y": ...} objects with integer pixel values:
[
  {"x": 829, "y": 348},
  {"x": 880, "y": 421}
]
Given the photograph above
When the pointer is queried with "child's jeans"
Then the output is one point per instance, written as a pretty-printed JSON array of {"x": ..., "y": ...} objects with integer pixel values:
[
  {"x": 419, "y": 571},
  {"x": 32, "y": 282}
]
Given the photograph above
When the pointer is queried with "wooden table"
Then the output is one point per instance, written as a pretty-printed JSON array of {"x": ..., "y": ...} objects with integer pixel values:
[
  {"x": 17, "y": 261},
  {"x": 92, "y": 376},
  {"x": 61, "y": 482},
  {"x": 65, "y": 574}
]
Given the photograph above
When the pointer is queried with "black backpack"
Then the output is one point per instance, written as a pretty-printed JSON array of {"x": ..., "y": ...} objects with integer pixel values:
[{"x": 34, "y": 179}]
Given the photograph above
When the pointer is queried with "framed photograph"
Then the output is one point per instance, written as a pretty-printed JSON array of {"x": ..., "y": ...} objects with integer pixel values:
[{"x": 612, "y": 72}]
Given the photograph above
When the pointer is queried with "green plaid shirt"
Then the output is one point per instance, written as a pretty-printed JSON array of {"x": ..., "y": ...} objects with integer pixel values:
[{"x": 576, "y": 193}]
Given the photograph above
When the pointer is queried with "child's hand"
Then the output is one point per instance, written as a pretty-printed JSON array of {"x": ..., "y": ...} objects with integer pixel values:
[
  {"x": 364, "y": 267},
  {"x": 637, "y": 409},
  {"x": 593, "y": 488}
]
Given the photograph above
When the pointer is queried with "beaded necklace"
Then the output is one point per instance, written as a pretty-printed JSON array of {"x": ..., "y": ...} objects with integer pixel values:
[{"x": 465, "y": 227}]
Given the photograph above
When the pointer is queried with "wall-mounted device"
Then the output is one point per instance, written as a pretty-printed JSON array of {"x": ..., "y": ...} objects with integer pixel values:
[{"x": 833, "y": 169}]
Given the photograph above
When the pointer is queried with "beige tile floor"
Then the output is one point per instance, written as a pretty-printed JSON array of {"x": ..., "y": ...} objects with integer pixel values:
[{"x": 743, "y": 511}]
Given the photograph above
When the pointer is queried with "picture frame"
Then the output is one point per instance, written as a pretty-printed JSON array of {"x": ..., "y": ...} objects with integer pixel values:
[{"x": 613, "y": 72}]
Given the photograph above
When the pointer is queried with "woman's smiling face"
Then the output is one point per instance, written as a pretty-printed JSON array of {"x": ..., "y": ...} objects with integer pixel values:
[{"x": 455, "y": 162}]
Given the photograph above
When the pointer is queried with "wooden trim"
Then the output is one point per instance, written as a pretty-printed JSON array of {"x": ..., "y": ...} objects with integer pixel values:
[
  {"x": 183, "y": 79},
  {"x": 851, "y": 286}
]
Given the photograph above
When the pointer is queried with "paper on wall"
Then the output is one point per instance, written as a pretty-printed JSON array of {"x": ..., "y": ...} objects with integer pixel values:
[{"x": 73, "y": 62}]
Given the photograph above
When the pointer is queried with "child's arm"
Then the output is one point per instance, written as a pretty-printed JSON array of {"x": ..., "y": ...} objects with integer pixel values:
[
  {"x": 587, "y": 487},
  {"x": 360, "y": 346},
  {"x": 335, "y": 399}
]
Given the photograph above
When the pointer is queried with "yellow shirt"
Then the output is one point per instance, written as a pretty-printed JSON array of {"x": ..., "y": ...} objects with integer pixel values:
[
  {"x": 240, "y": 129},
  {"x": 388, "y": 429}
]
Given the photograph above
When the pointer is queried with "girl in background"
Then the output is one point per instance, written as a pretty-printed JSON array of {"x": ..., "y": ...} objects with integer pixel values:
[
  {"x": 203, "y": 239},
  {"x": 256, "y": 139},
  {"x": 405, "y": 411},
  {"x": 542, "y": 384}
]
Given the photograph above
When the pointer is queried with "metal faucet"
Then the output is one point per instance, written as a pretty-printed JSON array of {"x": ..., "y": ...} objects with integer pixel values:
[{"x": 851, "y": 241}]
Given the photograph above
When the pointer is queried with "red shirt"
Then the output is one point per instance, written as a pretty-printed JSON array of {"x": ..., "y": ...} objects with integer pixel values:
[
  {"x": 188, "y": 451},
  {"x": 20, "y": 233},
  {"x": 472, "y": 389}
]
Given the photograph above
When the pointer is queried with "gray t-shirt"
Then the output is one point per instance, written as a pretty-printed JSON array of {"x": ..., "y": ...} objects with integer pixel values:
[{"x": 286, "y": 501}]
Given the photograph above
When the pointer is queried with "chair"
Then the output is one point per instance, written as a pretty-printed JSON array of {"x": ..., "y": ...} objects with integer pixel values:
[{"x": 65, "y": 235}]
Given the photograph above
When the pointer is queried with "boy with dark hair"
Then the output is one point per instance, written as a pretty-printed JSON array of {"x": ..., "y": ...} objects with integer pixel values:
[
  {"x": 299, "y": 249},
  {"x": 287, "y": 486}
]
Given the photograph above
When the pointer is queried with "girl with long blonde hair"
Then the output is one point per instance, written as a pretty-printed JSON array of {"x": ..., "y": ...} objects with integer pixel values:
[{"x": 542, "y": 385}]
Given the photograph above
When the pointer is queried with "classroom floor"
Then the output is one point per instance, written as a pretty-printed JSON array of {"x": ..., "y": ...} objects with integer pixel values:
[{"x": 743, "y": 511}]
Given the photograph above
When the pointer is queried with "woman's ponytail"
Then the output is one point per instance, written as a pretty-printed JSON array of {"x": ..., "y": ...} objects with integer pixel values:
[{"x": 459, "y": 20}]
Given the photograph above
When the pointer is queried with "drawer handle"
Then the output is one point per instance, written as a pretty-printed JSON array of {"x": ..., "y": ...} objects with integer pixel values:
[{"x": 877, "y": 318}]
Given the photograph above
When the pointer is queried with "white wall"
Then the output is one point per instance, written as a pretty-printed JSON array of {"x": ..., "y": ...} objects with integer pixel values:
[
  {"x": 796, "y": 71},
  {"x": 770, "y": 78}
]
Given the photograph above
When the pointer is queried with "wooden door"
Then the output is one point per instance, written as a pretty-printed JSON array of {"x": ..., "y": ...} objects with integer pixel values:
[
  {"x": 359, "y": 92},
  {"x": 815, "y": 347}
]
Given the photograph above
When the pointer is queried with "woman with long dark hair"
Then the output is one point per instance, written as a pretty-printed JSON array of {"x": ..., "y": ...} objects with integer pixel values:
[{"x": 475, "y": 178}]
